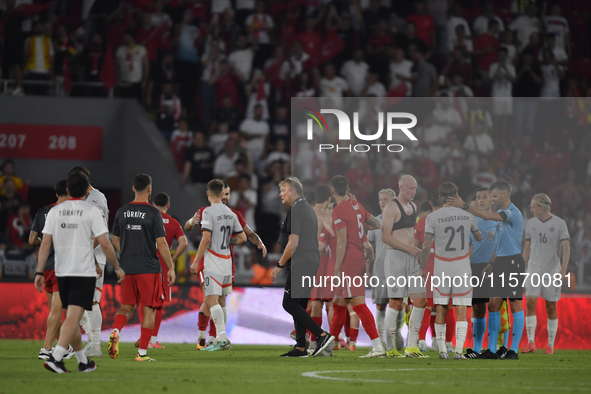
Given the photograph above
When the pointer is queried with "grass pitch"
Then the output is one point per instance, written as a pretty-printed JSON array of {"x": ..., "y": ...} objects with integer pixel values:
[{"x": 259, "y": 369}]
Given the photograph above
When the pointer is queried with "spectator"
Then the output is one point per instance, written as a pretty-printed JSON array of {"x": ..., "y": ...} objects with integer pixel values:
[
  {"x": 170, "y": 111},
  {"x": 9, "y": 203},
  {"x": 293, "y": 66},
  {"x": 243, "y": 9},
  {"x": 507, "y": 43},
  {"x": 257, "y": 92},
  {"x": 400, "y": 73},
  {"x": 13, "y": 44},
  {"x": 187, "y": 58},
  {"x": 217, "y": 141},
  {"x": 377, "y": 45},
  {"x": 423, "y": 77},
  {"x": 486, "y": 49},
  {"x": 244, "y": 199},
  {"x": 227, "y": 113},
  {"x": 280, "y": 126},
  {"x": 179, "y": 142},
  {"x": 159, "y": 17},
  {"x": 164, "y": 73},
  {"x": 134, "y": 66},
  {"x": 478, "y": 86},
  {"x": 39, "y": 59},
  {"x": 272, "y": 71},
  {"x": 480, "y": 25},
  {"x": 483, "y": 177},
  {"x": 478, "y": 144},
  {"x": 458, "y": 89},
  {"x": 19, "y": 226},
  {"x": 462, "y": 42},
  {"x": 8, "y": 168},
  {"x": 360, "y": 177},
  {"x": 559, "y": 53},
  {"x": 461, "y": 176},
  {"x": 241, "y": 167},
  {"x": 348, "y": 28},
  {"x": 311, "y": 40},
  {"x": 65, "y": 50},
  {"x": 552, "y": 72},
  {"x": 241, "y": 59},
  {"x": 279, "y": 153},
  {"x": 458, "y": 64},
  {"x": 259, "y": 26},
  {"x": 256, "y": 131},
  {"x": 214, "y": 34},
  {"x": 229, "y": 30},
  {"x": 92, "y": 59},
  {"x": 373, "y": 86},
  {"x": 527, "y": 87},
  {"x": 355, "y": 72},
  {"x": 424, "y": 23},
  {"x": 453, "y": 21},
  {"x": 220, "y": 6},
  {"x": 305, "y": 87},
  {"x": 211, "y": 64},
  {"x": 502, "y": 76},
  {"x": 557, "y": 25},
  {"x": 199, "y": 161},
  {"x": 224, "y": 163},
  {"x": 525, "y": 25},
  {"x": 534, "y": 47},
  {"x": 408, "y": 39},
  {"x": 333, "y": 86},
  {"x": 445, "y": 118}
]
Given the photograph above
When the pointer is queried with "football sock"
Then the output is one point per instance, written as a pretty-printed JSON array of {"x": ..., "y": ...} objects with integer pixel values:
[
  {"x": 119, "y": 323},
  {"x": 517, "y": 330},
  {"x": 146, "y": 334},
  {"x": 461, "y": 330},
  {"x": 552, "y": 329},
  {"x": 95, "y": 316},
  {"x": 440, "y": 335},
  {"x": 414, "y": 326},
  {"x": 380, "y": 325},
  {"x": 317, "y": 320},
  {"x": 530, "y": 323},
  {"x": 377, "y": 344},
  {"x": 212, "y": 329},
  {"x": 355, "y": 334},
  {"x": 217, "y": 315},
  {"x": 157, "y": 322},
  {"x": 390, "y": 325},
  {"x": 494, "y": 326},
  {"x": 59, "y": 352},
  {"x": 478, "y": 328},
  {"x": 506, "y": 338},
  {"x": 85, "y": 324},
  {"x": 424, "y": 325},
  {"x": 368, "y": 322},
  {"x": 81, "y": 356},
  {"x": 450, "y": 325},
  {"x": 338, "y": 320},
  {"x": 225, "y": 310},
  {"x": 432, "y": 323},
  {"x": 347, "y": 325}
]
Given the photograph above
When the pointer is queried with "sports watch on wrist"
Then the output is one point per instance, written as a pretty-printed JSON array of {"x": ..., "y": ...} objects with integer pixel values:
[{"x": 466, "y": 206}]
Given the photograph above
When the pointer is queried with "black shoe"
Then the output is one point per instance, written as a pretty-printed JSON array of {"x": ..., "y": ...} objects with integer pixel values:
[
  {"x": 488, "y": 355},
  {"x": 322, "y": 343},
  {"x": 55, "y": 366},
  {"x": 295, "y": 353},
  {"x": 471, "y": 354},
  {"x": 502, "y": 351},
  {"x": 510, "y": 355},
  {"x": 88, "y": 367}
]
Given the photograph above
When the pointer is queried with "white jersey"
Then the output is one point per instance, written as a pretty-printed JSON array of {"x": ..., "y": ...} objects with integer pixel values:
[
  {"x": 98, "y": 199},
  {"x": 73, "y": 226},
  {"x": 221, "y": 222},
  {"x": 546, "y": 241},
  {"x": 451, "y": 227}
]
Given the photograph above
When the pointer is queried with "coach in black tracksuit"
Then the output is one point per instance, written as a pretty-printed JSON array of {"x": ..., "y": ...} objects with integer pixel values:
[{"x": 299, "y": 240}]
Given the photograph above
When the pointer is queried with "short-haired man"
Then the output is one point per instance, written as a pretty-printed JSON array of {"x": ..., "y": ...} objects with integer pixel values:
[
  {"x": 138, "y": 235},
  {"x": 450, "y": 228},
  {"x": 217, "y": 226},
  {"x": 299, "y": 238},
  {"x": 71, "y": 228},
  {"x": 509, "y": 261},
  {"x": 546, "y": 238},
  {"x": 399, "y": 219},
  {"x": 482, "y": 252},
  {"x": 54, "y": 319},
  {"x": 349, "y": 221},
  {"x": 379, "y": 293}
]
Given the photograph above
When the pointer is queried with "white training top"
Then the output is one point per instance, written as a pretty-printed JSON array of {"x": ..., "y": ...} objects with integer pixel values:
[
  {"x": 451, "y": 229},
  {"x": 97, "y": 198},
  {"x": 222, "y": 223},
  {"x": 73, "y": 224}
]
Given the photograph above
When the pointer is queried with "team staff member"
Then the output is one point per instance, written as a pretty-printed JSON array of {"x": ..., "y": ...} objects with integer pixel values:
[
  {"x": 71, "y": 227},
  {"x": 299, "y": 238},
  {"x": 482, "y": 253},
  {"x": 54, "y": 319},
  {"x": 509, "y": 261},
  {"x": 138, "y": 233}
]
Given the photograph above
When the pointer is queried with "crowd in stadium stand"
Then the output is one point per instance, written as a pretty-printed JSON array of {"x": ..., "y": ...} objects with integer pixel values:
[{"x": 217, "y": 77}]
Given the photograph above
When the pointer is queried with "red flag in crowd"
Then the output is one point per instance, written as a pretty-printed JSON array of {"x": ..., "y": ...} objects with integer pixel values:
[
  {"x": 108, "y": 73},
  {"x": 332, "y": 45},
  {"x": 67, "y": 76}
]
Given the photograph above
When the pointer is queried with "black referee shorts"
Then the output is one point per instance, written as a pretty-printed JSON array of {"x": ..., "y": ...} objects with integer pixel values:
[
  {"x": 508, "y": 280},
  {"x": 77, "y": 290},
  {"x": 480, "y": 293}
]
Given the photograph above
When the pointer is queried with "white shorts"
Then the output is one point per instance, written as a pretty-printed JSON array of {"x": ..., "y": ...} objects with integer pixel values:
[
  {"x": 538, "y": 278},
  {"x": 215, "y": 284},
  {"x": 503, "y": 105},
  {"x": 379, "y": 293},
  {"x": 98, "y": 286},
  {"x": 402, "y": 274},
  {"x": 444, "y": 285}
]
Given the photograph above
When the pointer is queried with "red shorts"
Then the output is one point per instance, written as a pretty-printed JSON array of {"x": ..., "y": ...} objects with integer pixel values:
[
  {"x": 355, "y": 287},
  {"x": 167, "y": 290},
  {"x": 50, "y": 282},
  {"x": 145, "y": 289}
]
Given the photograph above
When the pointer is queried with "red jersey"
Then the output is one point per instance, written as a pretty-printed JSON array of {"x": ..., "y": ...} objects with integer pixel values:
[
  {"x": 242, "y": 223},
  {"x": 420, "y": 235},
  {"x": 173, "y": 231},
  {"x": 425, "y": 25},
  {"x": 351, "y": 215},
  {"x": 484, "y": 41}
]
